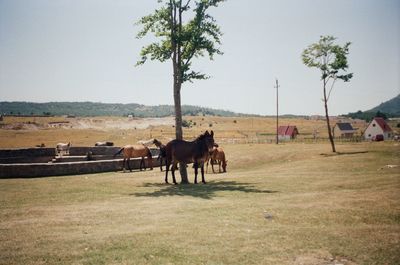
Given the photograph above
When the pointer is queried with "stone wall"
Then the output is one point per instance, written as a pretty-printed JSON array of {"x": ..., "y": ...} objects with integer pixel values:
[
  {"x": 30, "y": 170},
  {"x": 34, "y": 162}
]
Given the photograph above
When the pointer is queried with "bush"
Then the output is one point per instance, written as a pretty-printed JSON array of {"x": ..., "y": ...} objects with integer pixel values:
[{"x": 186, "y": 124}]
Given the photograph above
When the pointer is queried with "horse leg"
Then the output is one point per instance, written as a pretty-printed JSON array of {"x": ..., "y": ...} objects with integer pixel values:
[
  {"x": 150, "y": 162},
  {"x": 123, "y": 165},
  {"x": 212, "y": 164},
  {"x": 219, "y": 166},
  {"x": 166, "y": 170},
  {"x": 160, "y": 159},
  {"x": 129, "y": 166},
  {"x": 141, "y": 164},
  {"x": 196, "y": 170},
  {"x": 202, "y": 174},
  {"x": 173, "y": 172}
]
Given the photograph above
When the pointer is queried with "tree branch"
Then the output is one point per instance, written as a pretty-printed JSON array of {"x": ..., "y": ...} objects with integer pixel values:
[{"x": 330, "y": 90}]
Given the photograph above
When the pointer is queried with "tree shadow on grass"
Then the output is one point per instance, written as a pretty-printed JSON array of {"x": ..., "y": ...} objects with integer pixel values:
[{"x": 204, "y": 191}]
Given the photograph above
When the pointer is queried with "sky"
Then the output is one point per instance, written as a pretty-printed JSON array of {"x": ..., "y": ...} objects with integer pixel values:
[{"x": 86, "y": 50}]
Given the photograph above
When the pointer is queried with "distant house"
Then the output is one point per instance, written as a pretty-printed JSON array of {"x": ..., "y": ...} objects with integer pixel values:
[
  {"x": 378, "y": 126},
  {"x": 287, "y": 132},
  {"x": 344, "y": 130}
]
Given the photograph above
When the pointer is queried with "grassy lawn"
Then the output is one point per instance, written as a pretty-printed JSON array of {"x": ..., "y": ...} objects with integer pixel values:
[{"x": 287, "y": 204}]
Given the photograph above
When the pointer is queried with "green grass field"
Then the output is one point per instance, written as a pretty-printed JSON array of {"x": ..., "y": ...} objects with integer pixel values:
[{"x": 288, "y": 204}]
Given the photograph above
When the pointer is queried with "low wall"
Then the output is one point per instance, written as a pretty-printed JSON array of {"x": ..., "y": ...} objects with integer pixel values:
[
  {"x": 36, "y": 162},
  {"x": 30, "y": 170},
  {"x": 44, "y": 155}
]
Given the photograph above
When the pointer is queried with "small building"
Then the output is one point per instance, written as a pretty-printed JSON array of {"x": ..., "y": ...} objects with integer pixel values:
[
  {"x": 378, "y": 126},
  {"x": 344, "y": 130},
  {"x": 287, "y": 132}
]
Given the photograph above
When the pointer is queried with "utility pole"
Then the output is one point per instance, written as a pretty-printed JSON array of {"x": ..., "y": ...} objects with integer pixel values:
[{"x": 277, "y": 111}]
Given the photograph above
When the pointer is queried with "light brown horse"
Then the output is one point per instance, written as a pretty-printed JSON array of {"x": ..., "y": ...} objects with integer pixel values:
[
  {"x": 196, "y": 152},
  {"x": 133, "y": 151},
  {"x": 217, "y": 156}
]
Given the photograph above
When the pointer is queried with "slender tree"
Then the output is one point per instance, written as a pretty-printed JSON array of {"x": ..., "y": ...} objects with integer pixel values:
[
  {"x": 331, "y": 60},
  {"x": 185, "y": 30}
]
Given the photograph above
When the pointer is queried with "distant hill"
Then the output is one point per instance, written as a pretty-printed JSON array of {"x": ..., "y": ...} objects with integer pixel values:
[
  {"x": 387, "y": 109},
  {"x": 391, "y": 106},
  {"x": 105, "y": 109}
]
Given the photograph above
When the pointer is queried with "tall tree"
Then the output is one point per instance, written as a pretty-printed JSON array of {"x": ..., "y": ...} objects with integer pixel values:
[
  {"x": 185, "y": 30},
  {"x": 331, "y": 60}
]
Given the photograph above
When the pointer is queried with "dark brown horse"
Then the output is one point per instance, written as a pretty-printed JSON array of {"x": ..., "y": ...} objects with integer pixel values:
[
  {"x": 133, "y": 151},
  {"x": 196, "y": 152},
  {"x": 161, "y": 155}
]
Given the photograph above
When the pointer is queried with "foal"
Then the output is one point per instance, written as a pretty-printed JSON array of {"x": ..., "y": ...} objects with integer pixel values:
[{"x": 217, "y": 156}]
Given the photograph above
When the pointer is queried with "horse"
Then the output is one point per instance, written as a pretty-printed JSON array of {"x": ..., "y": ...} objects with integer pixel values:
[
  {"x": 133, "y": 151},
  {"x": 196, "y": 152},
  {"x": 104, "y": 144},
  {"x": 161, "y": 155},
  {"x": 63, "y": 148},
  {"x": 217, "y": 155}
]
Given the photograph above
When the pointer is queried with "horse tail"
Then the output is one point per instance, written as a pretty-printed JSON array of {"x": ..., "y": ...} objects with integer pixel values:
[
  {"x": 223, "y": 161},
  {"x": 119, "y": 152}
]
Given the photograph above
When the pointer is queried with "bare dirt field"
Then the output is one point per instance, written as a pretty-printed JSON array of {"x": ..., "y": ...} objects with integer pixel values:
[{"x": 85, "y": 131}]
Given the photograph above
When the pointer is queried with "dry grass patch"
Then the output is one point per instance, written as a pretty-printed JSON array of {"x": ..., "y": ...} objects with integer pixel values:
[{"x": 284, "y": 204}]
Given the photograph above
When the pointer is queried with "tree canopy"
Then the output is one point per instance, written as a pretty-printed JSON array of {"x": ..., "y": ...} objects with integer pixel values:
[
  {"x": 192, "y": 37},
  {"x": 330, "y": 58}
]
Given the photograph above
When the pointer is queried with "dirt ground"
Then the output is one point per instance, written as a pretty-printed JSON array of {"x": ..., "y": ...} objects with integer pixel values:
[{"x": 96, "y": 123}]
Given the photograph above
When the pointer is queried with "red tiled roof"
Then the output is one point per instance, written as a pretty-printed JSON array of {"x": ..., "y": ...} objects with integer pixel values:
[
  {"x": 382, "y": 123},
  {"x": 287, "y": 130}
]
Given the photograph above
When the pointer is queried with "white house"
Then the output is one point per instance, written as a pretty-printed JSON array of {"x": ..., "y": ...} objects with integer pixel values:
[{"x": 378, "y": 126}]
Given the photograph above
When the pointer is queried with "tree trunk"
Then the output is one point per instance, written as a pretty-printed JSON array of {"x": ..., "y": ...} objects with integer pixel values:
[
  {"x": 178, "y": 120},
  {"x": 327, "y": 119},
  {"x": 176, "y": 63}
]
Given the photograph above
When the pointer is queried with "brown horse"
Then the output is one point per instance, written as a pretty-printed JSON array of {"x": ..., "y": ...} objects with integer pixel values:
[
  {"x": 133, "y": 151},
  {"x": 196, "y": 152},
  {"x": 161, "y": 155},
  {"x": 217, "y": 155}
]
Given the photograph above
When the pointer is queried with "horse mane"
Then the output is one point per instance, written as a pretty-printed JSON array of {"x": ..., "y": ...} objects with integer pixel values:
[
  {"x": 157, "y": 143},
  {"x": 203, "y": 135}
]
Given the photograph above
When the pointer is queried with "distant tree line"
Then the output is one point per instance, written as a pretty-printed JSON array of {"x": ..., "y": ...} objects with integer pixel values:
[
  {"x": 85, "y": 109},
  {"x": 369, "y": 115}
]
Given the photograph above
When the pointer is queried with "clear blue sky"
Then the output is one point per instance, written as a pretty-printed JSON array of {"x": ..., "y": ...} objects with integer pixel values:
[{"x": 65, "y": 50}]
